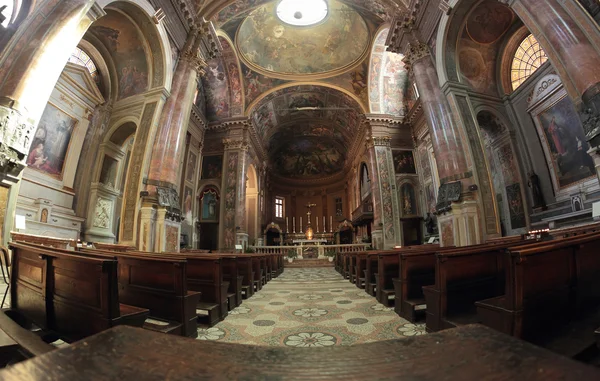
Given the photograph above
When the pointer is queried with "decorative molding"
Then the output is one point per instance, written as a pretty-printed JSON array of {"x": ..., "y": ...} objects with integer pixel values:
[
  {"x": 415, "y": 52},
  {"x": 235, "y": 144},
  {"x": 15, "y": 141},
  {"x": 102, "y": 213},
  {"x": 379, "y": 141}
]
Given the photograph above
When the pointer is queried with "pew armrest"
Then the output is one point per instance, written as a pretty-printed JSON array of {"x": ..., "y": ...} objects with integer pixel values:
[{"x": 31, "y": 343}]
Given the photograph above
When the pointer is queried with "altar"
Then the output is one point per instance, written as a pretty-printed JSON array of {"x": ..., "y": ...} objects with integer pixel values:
[{"x": 310, "y": 248}]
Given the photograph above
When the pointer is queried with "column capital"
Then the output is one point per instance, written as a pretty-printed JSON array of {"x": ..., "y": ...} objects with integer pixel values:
[
  {"x": 235, "y": 144},
  {"x": 379, "y": 141},
  {"x": 414, "y": 52}
]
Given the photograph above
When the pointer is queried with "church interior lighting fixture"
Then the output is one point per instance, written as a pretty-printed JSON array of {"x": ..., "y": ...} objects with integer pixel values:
[{"x": 302, "y": 12}]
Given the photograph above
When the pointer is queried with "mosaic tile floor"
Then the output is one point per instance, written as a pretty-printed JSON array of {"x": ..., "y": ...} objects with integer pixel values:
[{"x": 310, "y": 307}]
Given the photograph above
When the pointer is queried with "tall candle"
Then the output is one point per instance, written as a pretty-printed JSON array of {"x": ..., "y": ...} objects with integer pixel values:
[
  {"x": 317, "y": 220},
  {"x": 294, "y": 224},
  {"x": 287, "y": 226},
  {"x": 331, "y": 224},
  {"x": 300, "y": 224},
  {"x": 324, "y": 226}
]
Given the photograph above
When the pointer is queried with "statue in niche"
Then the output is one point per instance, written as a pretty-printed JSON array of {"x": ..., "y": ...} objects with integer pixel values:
[
  {"x": 536, "y": 189},
  {"x": 430, "y": 224},
  {"x": 44, "y": 217}
]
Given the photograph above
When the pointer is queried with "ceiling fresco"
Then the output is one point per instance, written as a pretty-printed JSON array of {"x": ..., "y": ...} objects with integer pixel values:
[
  {"x": 384, "y": 10},
  {"x": 388, "y": 79},
  {"x": 124, "y": 42},
  {"x": 274, "y": 48}
]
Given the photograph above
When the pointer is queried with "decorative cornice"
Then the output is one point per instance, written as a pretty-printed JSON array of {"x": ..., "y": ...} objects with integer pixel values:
[{"x": 235, "y": 144}]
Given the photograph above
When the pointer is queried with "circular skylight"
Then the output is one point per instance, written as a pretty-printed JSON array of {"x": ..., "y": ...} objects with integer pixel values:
[{"x": 302, "y": 12}]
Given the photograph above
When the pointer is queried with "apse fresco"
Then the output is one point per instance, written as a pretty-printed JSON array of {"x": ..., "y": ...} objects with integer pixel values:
[
  {"x": 566, "y": 143},
  {"x": 123, "y": 41},
  {"x": 271, "y": 46},
  {"x": 216, "y": 89},
  {"x": 307, "y": 102},
  {"x": 388, "y": 79},
  {"x": 308, "y": 157}
]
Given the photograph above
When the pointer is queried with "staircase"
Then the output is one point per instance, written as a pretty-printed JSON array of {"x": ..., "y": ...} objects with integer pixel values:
[{"x": 303, "y": 263}]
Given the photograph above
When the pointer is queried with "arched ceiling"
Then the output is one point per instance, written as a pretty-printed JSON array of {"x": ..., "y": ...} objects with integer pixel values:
[{"x": 307, "y": 130}]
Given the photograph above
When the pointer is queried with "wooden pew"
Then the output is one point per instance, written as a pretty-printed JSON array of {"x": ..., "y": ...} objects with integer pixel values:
[
  {"x": 157, "y": 282},
  {"x": 371, "y": 272},
  {"x": 246, "y": 271},
  {"x": 387, "y": 270},
  {"x": 257, "y": 271},
  {"x": 359, "y": 268},
  {"x": 71, "y": 294},
  {"x": 552, "y": 294},
  {"x": 30, "y": 344}
]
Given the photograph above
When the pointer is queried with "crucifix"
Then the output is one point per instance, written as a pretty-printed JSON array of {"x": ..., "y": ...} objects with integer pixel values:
[
  {"x": 309, "y": 205},
  {"x": 309, "y": 232}
]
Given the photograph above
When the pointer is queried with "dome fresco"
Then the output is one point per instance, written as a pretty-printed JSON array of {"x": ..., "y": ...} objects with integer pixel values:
[{"x": 274, "y": 48}]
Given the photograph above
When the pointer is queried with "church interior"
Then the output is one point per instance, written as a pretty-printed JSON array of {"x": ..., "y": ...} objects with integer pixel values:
[{"x": 300, "y": 189}]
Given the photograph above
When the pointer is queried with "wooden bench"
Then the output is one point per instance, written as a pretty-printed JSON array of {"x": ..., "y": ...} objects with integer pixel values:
[
  {"x": 387, "y": 270},
  {"x": 71, "y": 294},
  {"x": 371, "y": 272},
  {"x": 29, "y": 343},
  {"x": 359, "y": 268},
  {"x": 552, "y": 294},
  {"x": 157, "y": 282},
  {"x": 246, "y": 271}
]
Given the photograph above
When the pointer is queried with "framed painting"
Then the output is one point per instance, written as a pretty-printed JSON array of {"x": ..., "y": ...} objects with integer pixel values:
[
  {"x": 188, "y": 203},
  {"x": 212, "y": 167},
  {"x": 191, "y": 167},
  {"x": 209, "y": 206},
  {"x": 404, "y": 162},
  {"x": 563, "y": 140},
  {"x": 51, "y": 141}
]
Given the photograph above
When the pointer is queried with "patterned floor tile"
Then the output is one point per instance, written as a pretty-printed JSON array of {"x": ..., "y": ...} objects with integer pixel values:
[{"x": 307, "y": 308}]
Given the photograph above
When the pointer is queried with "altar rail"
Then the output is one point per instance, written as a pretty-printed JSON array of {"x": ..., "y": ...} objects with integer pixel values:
[{"x": 284, "y": 249}]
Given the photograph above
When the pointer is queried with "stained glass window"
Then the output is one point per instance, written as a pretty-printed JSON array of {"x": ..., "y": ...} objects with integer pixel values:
[
  {"x": 528, "y": 58},
  {"x": 79, "y": 57}
]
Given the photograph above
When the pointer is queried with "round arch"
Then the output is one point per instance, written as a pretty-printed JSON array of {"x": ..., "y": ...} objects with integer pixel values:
[
  {"x": 252, "y": 213},
  {"x": 258, "y": 100}
]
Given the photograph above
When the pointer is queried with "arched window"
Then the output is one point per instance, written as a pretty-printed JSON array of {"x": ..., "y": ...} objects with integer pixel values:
[
  {"x": 528, "y": 58},
  {"x": 79, "y": 57}
]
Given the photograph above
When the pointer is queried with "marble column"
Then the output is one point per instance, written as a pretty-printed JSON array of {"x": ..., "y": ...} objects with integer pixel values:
[
  {"x": 169, "y": 145},
  {"x": 30, "y": 65},
  {"x": 233, "y": 201},
  {"x": 387, "y": 232},
  {"x": 571, "y": 39},
  {"x": 458, "y": 153}
]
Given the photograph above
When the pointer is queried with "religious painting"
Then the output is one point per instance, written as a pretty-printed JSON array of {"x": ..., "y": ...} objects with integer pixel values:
[
  {"x": 191, "y": 167},
  {"x": 124, "y": 42},
  {"x": 256, "y": 84},
  {"x": 408, "y": 200},
  {"x": 355, "y": 81},
  {"x": 209, "y": 205},
  {"x": 272, "y": 47},
  {"x": 515, "y": 206},
  {"x": 108, "y": 173},
  {"x": 430, "y": 197},
  {"x": 200, "y": 98},
  {"x": 216, "y": 89},
  {"x": 233, "y": 74},
  {"x": 188, "y": 201},
  {"x": 51, "y": 141},
  {"x": 489, "y": 21},
  {"x": 565, "y": 143},
  {"x": 212, "y": 166},
  {"x": 308, "y": 157},
  {"x": 404, "y": 162}
]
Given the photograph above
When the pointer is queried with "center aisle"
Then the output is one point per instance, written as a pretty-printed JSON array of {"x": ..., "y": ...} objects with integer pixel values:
[{"x": 310, "y": 307}]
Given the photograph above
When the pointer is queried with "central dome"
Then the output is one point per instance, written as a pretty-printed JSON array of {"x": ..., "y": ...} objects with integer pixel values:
[
  {"x": 302, "y": 13},
  {"x": 294, "y": 39}
]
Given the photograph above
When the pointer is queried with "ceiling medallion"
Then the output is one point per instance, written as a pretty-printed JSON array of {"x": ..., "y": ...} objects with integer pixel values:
[{"x": 302, "y": 12}]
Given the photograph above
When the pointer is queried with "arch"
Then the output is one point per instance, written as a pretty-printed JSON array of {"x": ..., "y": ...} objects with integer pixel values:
[
  {"x": 388, "y": 78},
  {"x": 256, "y": 103},
  {"x": 122, "y": 133},
  {"x": 234, "y": 75},
  {"x": 252, "y": 212},
  {"x": 104, "y": 64},
  {"x": 155, "y": 38}
]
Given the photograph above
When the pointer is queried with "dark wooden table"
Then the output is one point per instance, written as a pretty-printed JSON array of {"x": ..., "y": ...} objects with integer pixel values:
[{"x": 467, "y": 353}]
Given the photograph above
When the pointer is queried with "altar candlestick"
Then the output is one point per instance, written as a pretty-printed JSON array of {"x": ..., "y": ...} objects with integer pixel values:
[
  {"x": 317, "y": 221},
  {"x": 294, "y": 224},
  {"x": 324, "y": 226},
  {"x": 300, "y": 224},
  {"x": 287, "y": 226},
  {"x": 331, "y": 224}
]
